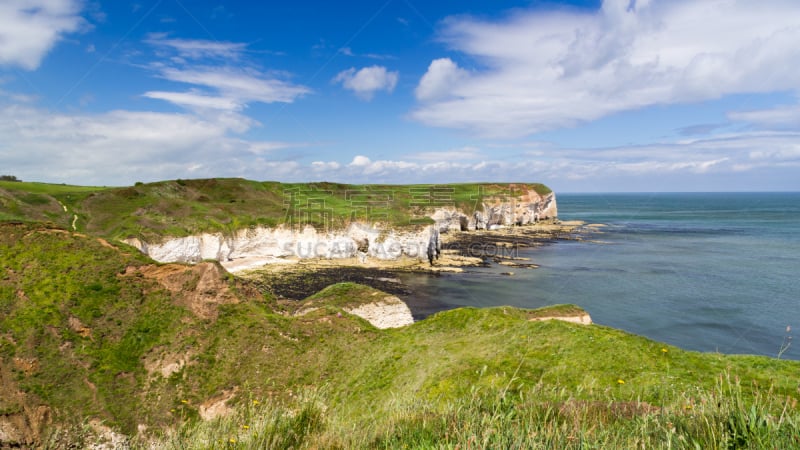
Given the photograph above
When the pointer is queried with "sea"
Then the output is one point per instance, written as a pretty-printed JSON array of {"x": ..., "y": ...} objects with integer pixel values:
[{"x": 711, "y": 272}]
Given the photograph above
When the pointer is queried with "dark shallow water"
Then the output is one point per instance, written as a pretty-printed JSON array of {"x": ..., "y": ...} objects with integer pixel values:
[{"x": 709, "y": 272}]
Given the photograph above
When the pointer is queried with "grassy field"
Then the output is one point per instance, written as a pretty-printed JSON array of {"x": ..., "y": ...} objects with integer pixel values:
[
  {"x": 97, "y": 331},
  {"x": 184, "y": 207}
]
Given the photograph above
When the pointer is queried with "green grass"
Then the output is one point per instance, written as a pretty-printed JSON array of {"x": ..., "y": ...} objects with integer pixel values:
[
  {"x": 48, "y": 188},
  {"x": 89, "y": 322},
  {"x": 537, "y": 417}
]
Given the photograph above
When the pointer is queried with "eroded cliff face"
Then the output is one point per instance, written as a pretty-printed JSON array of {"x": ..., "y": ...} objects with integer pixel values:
[
  {"x": 525, "y": 209},
  {"x": 254, "y": 247},
  {"x": 358, "y": 240}
]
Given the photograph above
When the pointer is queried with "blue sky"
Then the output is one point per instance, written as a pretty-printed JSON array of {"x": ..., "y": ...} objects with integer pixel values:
[{"x": 587, "y": 96}]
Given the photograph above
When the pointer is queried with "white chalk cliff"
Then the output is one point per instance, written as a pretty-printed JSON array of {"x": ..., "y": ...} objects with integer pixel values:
[{"x": 262, "y": 244}]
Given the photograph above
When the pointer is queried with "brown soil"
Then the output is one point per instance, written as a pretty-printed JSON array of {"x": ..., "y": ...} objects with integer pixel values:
[
  {"x": 22, "y": 419},
  {"x": 200, "y": 288}
]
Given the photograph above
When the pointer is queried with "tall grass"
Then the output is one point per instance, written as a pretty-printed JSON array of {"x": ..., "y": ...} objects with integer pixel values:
[
  {"x": 255, "y": 425},
  {"x": 730, "y": 416}
]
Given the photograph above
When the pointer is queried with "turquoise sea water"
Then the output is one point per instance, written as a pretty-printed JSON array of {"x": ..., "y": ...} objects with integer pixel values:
[{"x": 703, "y": 271}]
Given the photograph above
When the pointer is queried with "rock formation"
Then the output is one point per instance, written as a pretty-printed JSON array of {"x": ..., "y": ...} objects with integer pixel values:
[{"x": 262, "y": 245}]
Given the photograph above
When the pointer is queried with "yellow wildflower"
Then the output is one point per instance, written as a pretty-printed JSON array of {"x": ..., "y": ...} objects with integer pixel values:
[
  {"x": 663, "y": 350},
  {"x": 245, "y": 427},
  {"x": 621, "y": 381}
]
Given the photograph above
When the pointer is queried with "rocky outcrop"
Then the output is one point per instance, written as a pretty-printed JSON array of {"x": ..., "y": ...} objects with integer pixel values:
[
  {"x": 254, "y": 247},
  {"x": 581, "y": 319},
  {"x": 390, "y": 312},
  {"x": 525, "y": 209}
]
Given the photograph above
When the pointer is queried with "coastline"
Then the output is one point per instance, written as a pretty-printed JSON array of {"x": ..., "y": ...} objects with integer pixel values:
[{"x": 299, "y": 278}]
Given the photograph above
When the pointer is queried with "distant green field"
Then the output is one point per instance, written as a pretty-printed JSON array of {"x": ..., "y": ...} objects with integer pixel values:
[{"x": 48, "y": 188}]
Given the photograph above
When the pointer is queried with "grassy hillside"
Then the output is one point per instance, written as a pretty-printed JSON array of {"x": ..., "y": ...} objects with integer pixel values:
[
  {"x": 183, "y": 207},
  {"x": 90, "y": 330}
]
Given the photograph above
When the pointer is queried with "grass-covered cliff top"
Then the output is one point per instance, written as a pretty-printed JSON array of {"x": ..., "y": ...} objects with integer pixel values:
[
  {"x": 93, "y": 330},
  {"x": 184, "y": 207}
]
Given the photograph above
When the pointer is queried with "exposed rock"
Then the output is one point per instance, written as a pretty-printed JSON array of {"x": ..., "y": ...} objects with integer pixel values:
[
  {"x": 106, "y": 438},
  {"x": 249, "y": 248},
  {"x": 390, "y": 312},
  {"x": 24, "y": 429},
  {"x": 23, "y": 419},
  {"x": 281, "y": 242},
  {"x": 583, "y": 319},
  {"x": 160, "y": 361}
]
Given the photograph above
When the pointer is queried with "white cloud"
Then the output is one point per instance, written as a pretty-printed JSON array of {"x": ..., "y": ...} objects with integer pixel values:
[
  {"x": 683, "y": 165},
  {"x": 541, "y": 70},
  {"x": 194, "y": 99},
  {"x": 226, "y": 88},
  {"x": 325, "y": 166},
  {"x": 784, "y": 116},
  {"x": 30, "y": 28},
  {"x": 239, "y": 86},
  {"x": 198, "y": 48},
  {"x": 216, "y": 86},
  {"x": 367, "y": 81},
  {"x": 440, "y": 79},
  {"x": 360, "y": 161},
  {"x": 120, "y": 147}
]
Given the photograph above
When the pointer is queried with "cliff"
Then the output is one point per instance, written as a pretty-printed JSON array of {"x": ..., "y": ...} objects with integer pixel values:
[{"x": 256, "y": 246}]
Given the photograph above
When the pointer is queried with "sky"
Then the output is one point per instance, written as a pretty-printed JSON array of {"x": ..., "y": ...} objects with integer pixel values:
[{"x": 585, "y": 96}]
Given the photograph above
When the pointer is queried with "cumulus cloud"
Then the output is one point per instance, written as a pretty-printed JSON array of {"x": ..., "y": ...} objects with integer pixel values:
[
  {"x": 367, "y": 81},
  {"x": 541, "y": 70},
  {"x": 30, "y": 28},
  {"x": 119, "y": 146},
  {"x": 442, "y": 77}
]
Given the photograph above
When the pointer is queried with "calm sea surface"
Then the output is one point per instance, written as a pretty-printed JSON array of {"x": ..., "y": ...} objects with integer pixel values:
[{"x": 703, "y": 271}]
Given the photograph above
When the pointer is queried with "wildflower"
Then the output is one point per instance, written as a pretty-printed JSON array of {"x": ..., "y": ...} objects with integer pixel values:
[
  {"x": 621, "y": 381},
  {"x": 232, "y": 440},
  {"x": 255, "y": 402},
  {"x": 184, "y": 401},
  {"x": 245, "y": 427},
  {"x": 663, "y": 350}
]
